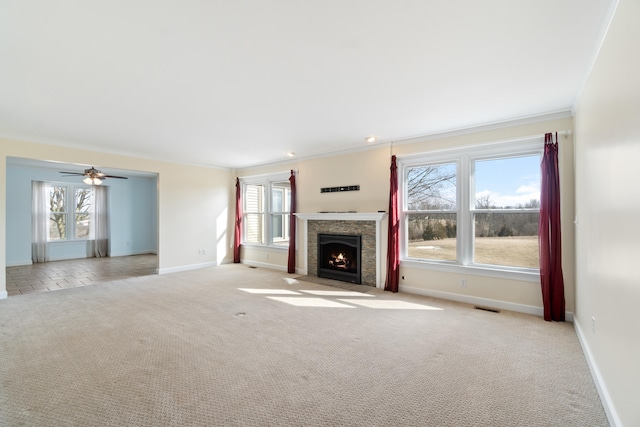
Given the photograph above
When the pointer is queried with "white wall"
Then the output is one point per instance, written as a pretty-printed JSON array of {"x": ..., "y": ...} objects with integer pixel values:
[
  {"x": 370, "y": 170},
  {"x": 192, "y": 203},
  {"x": 608, "y": 210}
]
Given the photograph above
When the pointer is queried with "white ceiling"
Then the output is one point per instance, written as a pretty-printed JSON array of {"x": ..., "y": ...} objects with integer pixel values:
[{"x": 241, "y": 82}]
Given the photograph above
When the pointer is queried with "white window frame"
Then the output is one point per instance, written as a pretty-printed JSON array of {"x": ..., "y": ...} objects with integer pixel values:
[
  {"x": 268, "y": 213},
  {"x": 465, "y": 206},
  {"x": 70, "y": 214}
]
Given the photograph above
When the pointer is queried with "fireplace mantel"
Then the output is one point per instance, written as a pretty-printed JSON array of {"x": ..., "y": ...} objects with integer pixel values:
[
  {"x": 376, "y": 217},
  {"x": 342, "y": 216}
]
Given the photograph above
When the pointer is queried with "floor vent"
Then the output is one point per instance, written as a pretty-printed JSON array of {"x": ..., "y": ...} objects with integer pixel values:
[
  {"x": 493, "y": 310},
  {"x": 252, "y": 266}
]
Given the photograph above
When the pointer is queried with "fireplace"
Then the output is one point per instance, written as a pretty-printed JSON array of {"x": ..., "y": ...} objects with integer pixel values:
[
  {"x": 339, "y": 257},
  {"x": 369, "y": 225}
]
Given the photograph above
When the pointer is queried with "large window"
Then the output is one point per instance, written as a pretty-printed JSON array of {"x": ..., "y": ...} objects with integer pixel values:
[
  {"x": 474, "y": 207},
  {"x": 70, "y": 212},
  {"x": 266, "y": 210}
]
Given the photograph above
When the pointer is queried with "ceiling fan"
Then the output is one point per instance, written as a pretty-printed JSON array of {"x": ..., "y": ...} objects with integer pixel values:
[{"x": 93, "y": 176}]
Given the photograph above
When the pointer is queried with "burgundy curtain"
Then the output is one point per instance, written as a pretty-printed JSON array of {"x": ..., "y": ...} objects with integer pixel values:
[
  {"x": 237, "y": 235},
  {"x": 393, "y": 244},
  {"x": 549, "y": 235},
  {"x": 291, "y": 266}
]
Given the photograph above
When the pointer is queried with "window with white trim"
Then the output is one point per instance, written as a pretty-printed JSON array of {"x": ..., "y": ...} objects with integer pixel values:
[
  {"x": 266, "y": 210},
  {"x": 70, "y": 212},
  {"x": 473, "y": 207}
]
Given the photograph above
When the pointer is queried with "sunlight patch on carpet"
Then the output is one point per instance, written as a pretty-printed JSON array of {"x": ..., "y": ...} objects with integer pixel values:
[
  {"x": 337, "y": 293},
  {"x": 269, "y": 291},
  {"x": 310, "y": 302}
]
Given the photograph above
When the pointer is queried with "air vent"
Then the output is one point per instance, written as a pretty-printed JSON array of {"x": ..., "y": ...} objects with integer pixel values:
[
  {"x": 493, "y": 310},
  {"x": 252, "y": 266}
]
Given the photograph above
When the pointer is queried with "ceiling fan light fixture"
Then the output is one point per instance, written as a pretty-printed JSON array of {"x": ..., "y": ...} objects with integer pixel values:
[{"x": 92, "y": 181}]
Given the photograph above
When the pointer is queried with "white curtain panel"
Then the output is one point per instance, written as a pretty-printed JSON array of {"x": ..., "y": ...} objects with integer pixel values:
[
  {"x": 101, "y": 247},
  {"x": 39, "y": 221}
]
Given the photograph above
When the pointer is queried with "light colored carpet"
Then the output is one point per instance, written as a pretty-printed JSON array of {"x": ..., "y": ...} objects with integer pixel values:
[{"x": 236, "y": 346}]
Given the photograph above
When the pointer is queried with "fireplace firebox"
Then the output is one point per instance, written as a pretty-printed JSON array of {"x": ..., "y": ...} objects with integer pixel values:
[{"x": 339, "y": 257}]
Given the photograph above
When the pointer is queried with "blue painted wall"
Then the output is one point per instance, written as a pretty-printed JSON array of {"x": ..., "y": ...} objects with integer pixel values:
[{"x": 133, "y": 222}]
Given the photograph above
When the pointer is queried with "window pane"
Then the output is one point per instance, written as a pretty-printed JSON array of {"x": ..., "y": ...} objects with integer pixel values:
[
  {"x": 253, "y": 198},
  {"x": 57, "y": 199},
  {"x": 83, "y": 226},
  {"x": 432, "y": 187},
  {"x": 57, "y": 213},
  {"x": 509, "y": 239},
  {"x": 57, "y": 226},
  {"x": 84, "y": 199},
  {"x": 254, "y": 228},
  {"x": 432, "y": 236},
  {"x": 84, "y": 208},
  {"x": 280, "y": 197},
  {"x": 280, "y": 229},
  {"x": 511, "y": 183}
]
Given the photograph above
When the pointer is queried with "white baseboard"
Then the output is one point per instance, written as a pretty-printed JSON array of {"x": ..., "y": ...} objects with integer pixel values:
[
  {"x": 609, "y": 409},
  {"x": 265, "y": 265},
  {"x": 485, "y": 302},
  {"x": 18, "y": 263},
  {"x": 187, "y": 267},
  {"x": 132, "y": 253},
  {"x": 3, "y": 294},
  {"x": 66, "y": 258},
  {"x": 271, "y": 266}
]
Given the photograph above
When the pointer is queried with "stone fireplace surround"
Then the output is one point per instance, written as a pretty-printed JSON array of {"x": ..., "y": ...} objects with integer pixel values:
[{"x": 366, "y": 224}]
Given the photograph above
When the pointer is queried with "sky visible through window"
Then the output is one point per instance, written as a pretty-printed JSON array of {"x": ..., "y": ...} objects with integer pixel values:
[{"x": 508, "y": 182}]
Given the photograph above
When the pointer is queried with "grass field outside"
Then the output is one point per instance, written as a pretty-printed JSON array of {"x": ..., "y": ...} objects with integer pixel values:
[{"x": 521, "y": 251}]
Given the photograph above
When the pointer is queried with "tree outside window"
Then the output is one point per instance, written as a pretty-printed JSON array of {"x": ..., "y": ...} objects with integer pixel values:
[
  {"x": 57, "y": 213},
  {"x": 431, "y": 211},
  {"x": 83, "y": 212}
]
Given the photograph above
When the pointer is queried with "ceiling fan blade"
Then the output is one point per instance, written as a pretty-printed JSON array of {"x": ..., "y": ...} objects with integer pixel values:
[
  {"x": 72, "y": 173},
  {"x": 114, "y": 176}
]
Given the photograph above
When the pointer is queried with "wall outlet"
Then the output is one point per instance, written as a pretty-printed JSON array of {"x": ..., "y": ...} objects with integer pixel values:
[
  {"x": 463, "y": 283},
  {"x": 593, "y": 324}
]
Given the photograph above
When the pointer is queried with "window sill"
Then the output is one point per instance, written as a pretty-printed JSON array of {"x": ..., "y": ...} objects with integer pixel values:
[
  {"x": 67, "y": 242},
  {"x": 524, "y": 275},
  {"x": 272, "y": 248}
]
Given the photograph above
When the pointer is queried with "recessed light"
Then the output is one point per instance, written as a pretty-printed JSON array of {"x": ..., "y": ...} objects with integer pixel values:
[
  {"x": 291, "y": 154},
  {"x": 370, "y": 139}
]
